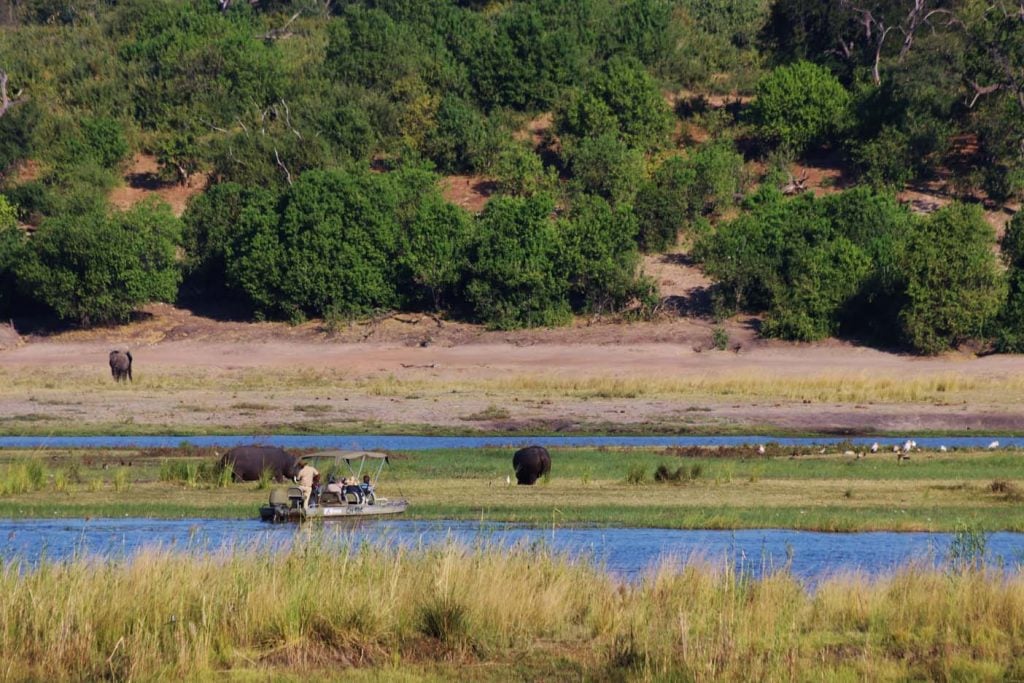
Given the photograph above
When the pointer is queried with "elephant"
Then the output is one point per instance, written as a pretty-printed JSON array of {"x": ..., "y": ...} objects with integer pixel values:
[
  {"x": 248, "y": 463},
  {"x": 121, "y": 365},
  {"x": 530, "y": 463}
]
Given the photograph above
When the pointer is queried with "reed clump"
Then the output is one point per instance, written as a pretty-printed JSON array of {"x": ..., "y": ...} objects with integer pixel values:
[{"x": 165, "y": 615}]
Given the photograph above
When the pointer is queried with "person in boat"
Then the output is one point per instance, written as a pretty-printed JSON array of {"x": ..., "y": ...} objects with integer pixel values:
[
  {"x": 305, "y": 479},
  {"x": 334, "y": 487},
  {"x": 351, "y": 486},
  {"x": 366, "y": 486},
  {"x": 314, "y": 498}
]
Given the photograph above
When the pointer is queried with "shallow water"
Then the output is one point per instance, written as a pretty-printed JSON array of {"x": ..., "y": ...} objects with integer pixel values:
[
  {"x": 418, "y": 443},
  {"x": 622, "y": 551}
]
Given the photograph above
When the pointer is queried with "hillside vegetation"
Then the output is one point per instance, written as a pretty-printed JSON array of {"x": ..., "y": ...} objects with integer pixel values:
[{"x": 323, "y": 131}]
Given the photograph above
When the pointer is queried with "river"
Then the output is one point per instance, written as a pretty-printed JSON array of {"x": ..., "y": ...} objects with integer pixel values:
[
  {"x": 372, "y": 442},
  {"x": 624, "y": 552}
]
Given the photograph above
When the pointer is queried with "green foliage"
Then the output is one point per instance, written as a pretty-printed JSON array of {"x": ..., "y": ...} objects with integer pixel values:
[
  {"x": 720, "y": 338},
  {"x": 663, "y": 204},
  {"x": 188, "y": 63},
  {"x": 607, "y": 167},
  {"x": 96, "y": 268},
  {"x": 14, "y": 248},
  {"x": 329, "y": 248},
  {"x": 622, "y": 99},
  {"x": 810, "y": 263},
  {"x": 528, "y": 54},
  {"x": 1009, "y": 336},
  {"x": 954, "y": 288},
  {"x": 519, "y": 171},
  {"x": 458, "y": 137},
  {"x": 601, "y": 257},
  {"x": 515, "y": 281},
  {"x": 434, "y": 251},
  {"x": 681, "y": 190},
  {"x": 104, "y": 140},
  {"x": 16, "y": 128},
  {"x": 215, "y": 223},
  {"x": 718, "y": 176},
  {"x": 799, "y": 106},
  {"x": 717, "y": 42}
]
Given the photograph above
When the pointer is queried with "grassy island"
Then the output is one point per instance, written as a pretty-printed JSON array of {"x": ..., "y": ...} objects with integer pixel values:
[{"x": 727, "y": 488}]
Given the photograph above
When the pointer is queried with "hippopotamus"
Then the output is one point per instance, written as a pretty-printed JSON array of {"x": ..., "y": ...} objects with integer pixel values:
[
  {"x": 249, "y": 462},
  {"x": 531, "y": 463}
]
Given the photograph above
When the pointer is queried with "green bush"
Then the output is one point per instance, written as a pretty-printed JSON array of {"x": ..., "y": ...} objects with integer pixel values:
[
  {"x": 515, "y": 278},
  {"x": 818, "y": 267},
  {"x": 434, "y": 254},
  {"x": 799, "y": 106},
  {"x": 607, "y": 167},
  {"x": 622, "y": 99},
  {"x": 97, "y": 268},
  {"x": 519, "y": 171},
  {"x": 1009, "y": 334},
  {"x": 601, "y": 257},
  {"x": 663, "y": 205},
  {"x": 14, "y": 249},
  {"x": 954, "y": 288},
  {"x": 458, "y": 137},
  {"x": 718, "y": 176}
]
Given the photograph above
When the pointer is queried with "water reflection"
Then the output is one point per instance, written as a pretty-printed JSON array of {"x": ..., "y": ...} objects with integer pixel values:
[{"x": 622, "y": 551}]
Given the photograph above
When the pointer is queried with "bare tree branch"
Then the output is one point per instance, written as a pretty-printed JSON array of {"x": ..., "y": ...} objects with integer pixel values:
[
  {"x": 6, "y": 102},
  {"x": 288, "y": 119},
  {"x": 982, "y": 90},
  {"x": 287, "y": 174},
  {"x": 281, "y": 32}
]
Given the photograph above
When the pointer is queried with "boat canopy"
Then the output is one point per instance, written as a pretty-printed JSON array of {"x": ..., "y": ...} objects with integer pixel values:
[{"x": 348, "y": 455}]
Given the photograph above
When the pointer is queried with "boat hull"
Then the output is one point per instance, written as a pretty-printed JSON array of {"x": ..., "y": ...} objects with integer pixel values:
[{"x": 281, "y": 513}]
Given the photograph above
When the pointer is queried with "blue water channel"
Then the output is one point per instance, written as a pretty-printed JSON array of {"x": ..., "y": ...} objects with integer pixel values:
[
  {"x": 627, "y": 553},
  {"x": 420, "y": 443}
]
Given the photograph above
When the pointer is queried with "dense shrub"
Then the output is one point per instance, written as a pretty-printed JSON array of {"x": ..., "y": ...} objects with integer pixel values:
[
  {"x": 187, "y": 62},
  {"x": 810, "y": 262},
  {"x": 607, "y": 167},
  {"x": 330, "y": 249},
  {"x": 458, "y": 137},
  {"x": 434, "y": 254},
  {"x": 663, "y": 204},
  {"x": 1009, "y": 333},
  {"x": 13, "y": 250},
  {"x": 718, "y": 176},
  {"x": 683, "y": 189},
  {"x": 799, "y": 106},
  {"x": 97, "y": 268},
  {"x": 954, "y": 288},
  {"x": 622, "y": 99},
  {"x": 600, "y": 256},
  {"x": 515, "y": 276},
  {"x": 519, "y": 171}
]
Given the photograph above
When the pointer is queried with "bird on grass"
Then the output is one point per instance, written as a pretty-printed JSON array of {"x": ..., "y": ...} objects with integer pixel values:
[{"x": 993, "y": 445}]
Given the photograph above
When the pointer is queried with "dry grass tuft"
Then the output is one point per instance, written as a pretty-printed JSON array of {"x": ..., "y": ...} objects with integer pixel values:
[{"x": 163, "y": 615}]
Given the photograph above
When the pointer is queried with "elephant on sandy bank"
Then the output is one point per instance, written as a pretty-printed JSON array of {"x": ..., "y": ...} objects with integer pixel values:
[
  {"x": 121, "y": 365},
  {"x": 530, "y": 464}
]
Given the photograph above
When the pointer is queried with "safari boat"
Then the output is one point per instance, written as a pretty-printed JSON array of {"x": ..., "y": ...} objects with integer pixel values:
[{"x": 355, "y": 501}]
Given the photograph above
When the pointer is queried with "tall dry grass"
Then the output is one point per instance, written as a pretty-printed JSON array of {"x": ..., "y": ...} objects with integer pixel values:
[
  {"x": 164, "y": 615},
  {"x": 844, "y": 387}
]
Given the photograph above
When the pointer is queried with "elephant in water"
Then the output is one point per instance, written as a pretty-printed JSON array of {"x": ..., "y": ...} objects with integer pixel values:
[
  {"x": 121, "y": 365},
  {"x": 530, "y": 464}
]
